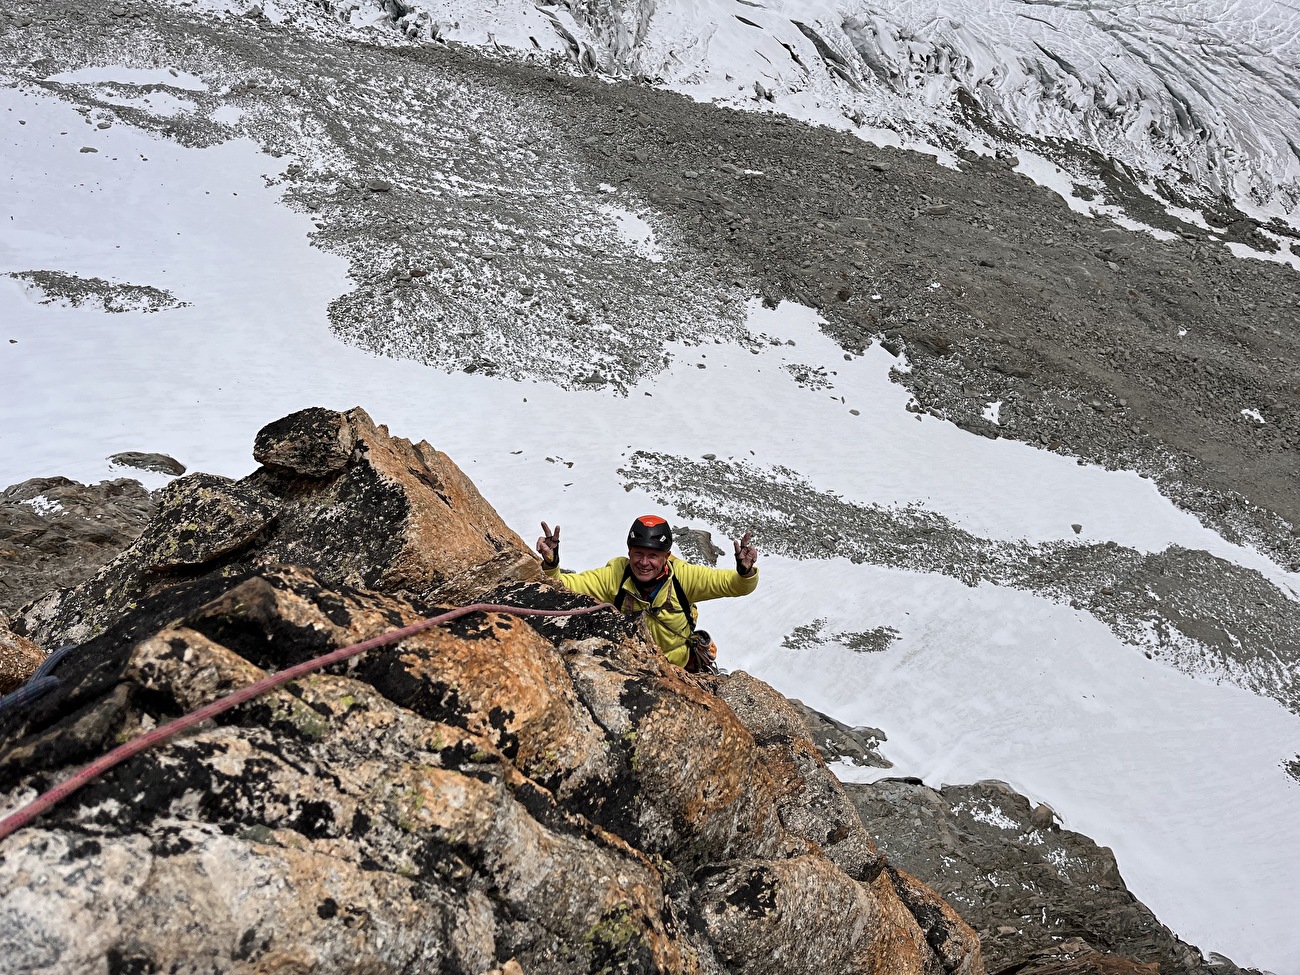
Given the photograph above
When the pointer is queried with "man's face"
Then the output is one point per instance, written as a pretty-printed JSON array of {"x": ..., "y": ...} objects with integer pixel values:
[{"x": 647, "y": 563}]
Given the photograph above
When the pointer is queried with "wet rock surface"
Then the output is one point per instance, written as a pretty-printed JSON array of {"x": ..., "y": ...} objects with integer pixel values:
[
  {"x": 55, "y": 532},
  {"x": 549, "y": 794},
  {"x": 1043, "y": 898}
]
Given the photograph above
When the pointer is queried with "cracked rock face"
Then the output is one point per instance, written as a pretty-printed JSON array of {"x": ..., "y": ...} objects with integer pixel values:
[{"x": 536, "y": 795}]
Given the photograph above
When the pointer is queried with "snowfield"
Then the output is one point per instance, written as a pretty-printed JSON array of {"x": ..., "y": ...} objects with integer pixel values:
[{"x": 1179, "y": 774}]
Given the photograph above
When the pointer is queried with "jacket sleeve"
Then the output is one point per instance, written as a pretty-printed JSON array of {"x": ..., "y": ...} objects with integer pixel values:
[
  {"x": 701, "y": 582},
  {"x": 600, "y": 584}
]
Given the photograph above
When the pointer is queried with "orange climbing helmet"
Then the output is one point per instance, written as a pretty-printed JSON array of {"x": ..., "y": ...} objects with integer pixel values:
[{"x": 650, "y": 531}]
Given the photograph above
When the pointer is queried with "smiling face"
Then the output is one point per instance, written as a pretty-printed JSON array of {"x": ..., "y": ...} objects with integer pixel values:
[{"x": 647, "y": 563}]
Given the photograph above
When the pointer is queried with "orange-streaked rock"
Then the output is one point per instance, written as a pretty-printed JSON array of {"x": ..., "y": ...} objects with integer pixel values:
[
  {"x": 19, "y": 658},
  {"x": 539, "y": 796}
]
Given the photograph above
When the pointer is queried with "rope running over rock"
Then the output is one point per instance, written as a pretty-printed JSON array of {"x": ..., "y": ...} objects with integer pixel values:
[{"x": 46, "y": 801}]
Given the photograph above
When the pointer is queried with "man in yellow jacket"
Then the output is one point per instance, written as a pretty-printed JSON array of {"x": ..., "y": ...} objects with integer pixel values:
[{"x": 653, "y": 582}]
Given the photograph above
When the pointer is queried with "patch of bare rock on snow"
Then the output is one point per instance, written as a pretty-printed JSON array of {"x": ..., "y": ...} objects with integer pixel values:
[{"x": 57, "y": 287}]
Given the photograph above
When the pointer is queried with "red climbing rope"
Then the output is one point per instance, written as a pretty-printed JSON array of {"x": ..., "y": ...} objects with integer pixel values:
[{"x": 44, "y": 802}]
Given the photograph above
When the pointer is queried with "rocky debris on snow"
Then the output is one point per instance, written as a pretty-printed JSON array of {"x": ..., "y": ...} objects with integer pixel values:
[
  {"x": 1292, "y": 767},
  {"x": 73, "y": 291},
  {"x": 810, "y": 376},
  {"x": 838, "y": 742},
  {"x": 868, "y": 641},
  {"x": 56, "y": 532},
  {"x": 1186, "y": 608},
  {"x": 144, "y": 461},
  {"x": 805, "y": 636},
  {"x": 535, "y": 795},
  {"x": 19, "y": 659},
  {"x": 1041, "y": 896},
  {"x": 814, "y": 635},
  {"x": 524, "y": 266},
  {"x": 697, "y": 545},
  {"x": 375, "y": 515}
]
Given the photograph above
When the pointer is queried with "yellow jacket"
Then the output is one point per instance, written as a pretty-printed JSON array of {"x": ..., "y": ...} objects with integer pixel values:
[{"x": 665, "y": 618}]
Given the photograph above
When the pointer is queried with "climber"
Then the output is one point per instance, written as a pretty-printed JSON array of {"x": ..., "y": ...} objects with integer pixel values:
[{"x": 653, "y": 582}]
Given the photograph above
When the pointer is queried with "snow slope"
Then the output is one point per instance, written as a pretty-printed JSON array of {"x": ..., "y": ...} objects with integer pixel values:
[{"x": 1181, "y": 776}]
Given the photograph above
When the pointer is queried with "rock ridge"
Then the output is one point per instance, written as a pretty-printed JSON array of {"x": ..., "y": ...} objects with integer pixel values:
[
  {"x": 1043, "y": 898},
  {"x": 534, "y": 795},
  {"x": 336, "y": 494}
]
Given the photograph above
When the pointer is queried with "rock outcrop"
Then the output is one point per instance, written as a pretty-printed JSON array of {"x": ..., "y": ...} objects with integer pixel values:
[
  {"x": 19, "y": 659},
  {"x": 335, "y": 494},
  {"x": 534, "y": 795},
  {"x": 55, "y": 532},
  {"x": 1046, "y": 900},
  {"x": 148, "y": 461}
]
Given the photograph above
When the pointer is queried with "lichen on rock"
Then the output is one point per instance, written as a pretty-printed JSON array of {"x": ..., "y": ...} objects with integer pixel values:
[{"x": 502, "y": 793}]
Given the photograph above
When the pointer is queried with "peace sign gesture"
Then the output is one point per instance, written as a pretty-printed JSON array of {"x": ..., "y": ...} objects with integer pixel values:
[{"x": 548, "y": 546}]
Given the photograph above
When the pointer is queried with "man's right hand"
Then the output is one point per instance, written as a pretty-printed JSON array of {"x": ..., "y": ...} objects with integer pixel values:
[{"x": 548, "y": 546}]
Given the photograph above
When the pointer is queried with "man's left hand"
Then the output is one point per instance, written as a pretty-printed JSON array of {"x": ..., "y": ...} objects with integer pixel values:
[{"x": 746, "y": 556}]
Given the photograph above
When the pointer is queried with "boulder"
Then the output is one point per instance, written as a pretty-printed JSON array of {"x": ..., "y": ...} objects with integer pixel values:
[
  {"x": 201, "y": 518},
  {"x": 314, "y": 443},
  {"x": 336, "y": 494},
  {"x": 141, "y": 461}
]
